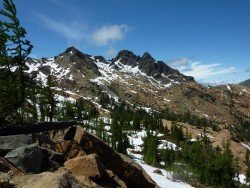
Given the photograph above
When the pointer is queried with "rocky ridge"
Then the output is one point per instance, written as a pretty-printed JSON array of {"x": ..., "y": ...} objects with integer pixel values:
[
  {"x": 140, "y": 81},
  {"x": 245, "y": 83}
]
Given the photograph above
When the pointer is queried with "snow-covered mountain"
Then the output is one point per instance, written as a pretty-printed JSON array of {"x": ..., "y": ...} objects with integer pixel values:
[
  {"x": 140, "y": 81},
  {"x": 75, "y": 67}
]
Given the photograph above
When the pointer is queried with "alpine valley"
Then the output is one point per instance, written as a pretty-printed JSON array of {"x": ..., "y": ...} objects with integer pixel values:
[{"x": 143, "y": 83}]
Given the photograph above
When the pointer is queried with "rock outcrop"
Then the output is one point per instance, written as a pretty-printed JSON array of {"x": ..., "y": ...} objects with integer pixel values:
[
  {"x": 8, "y": 143},
  {"x": 127, "y": 170},
  {"x": 70, "y": 157},
  {"x": 147, "y": 64},
  {"x": 58, "y": 179},
  {"x": 127, "y": 57},
  {"x": 69, "y": 149},
  {"x": 89, "y": 165},
  {"x": 26, "y": 158}
]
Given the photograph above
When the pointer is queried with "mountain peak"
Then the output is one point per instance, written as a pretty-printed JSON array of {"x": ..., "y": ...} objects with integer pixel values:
[
  {"x": 127, "y": 57},
  {"x": 71, "y": 49},
  {"x": 147, "y": 57}
]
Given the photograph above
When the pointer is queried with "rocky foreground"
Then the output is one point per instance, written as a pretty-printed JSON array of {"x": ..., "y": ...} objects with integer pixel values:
[{"x": 68, "y": 157}]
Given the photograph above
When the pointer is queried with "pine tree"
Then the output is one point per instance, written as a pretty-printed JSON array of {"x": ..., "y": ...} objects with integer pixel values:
[
  {"x": 69, "y": 111},
  {"x": 100, "y": 130},
  {"x": 14, "y": 48},
  {"x": 247, "y": 161},
  {"x": 169, "y": 157},
  {"x": 80, "y": 109},
  {"x": 115, "y": 131},
  {"x": 50, "y": 98},
  {"x": 136, "y": 122},
  {"x": 34, "y": 100},
  {"x": 150, "y": 149}
]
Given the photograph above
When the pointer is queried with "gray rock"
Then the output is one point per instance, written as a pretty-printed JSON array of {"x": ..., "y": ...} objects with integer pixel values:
[
  {"x": 127, "y": 58},
  {"x": 157, "y": 171},
  {"x": 26, "y": 158},
  {"x": 8, "y": 143}
]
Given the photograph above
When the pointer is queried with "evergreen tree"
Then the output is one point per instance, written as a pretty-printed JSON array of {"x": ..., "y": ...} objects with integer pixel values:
[
  {"x": 80, "y": 109},
  {"x": 14, "y": 48},
  {"x": 34, "y": 100},
  {"x": 41, "y": 100},
  {"x": 150, "y": 149},
  {"x": 136, "y": 122},
  {"x": 50, "y": 97},
  {"x": 69, "y": 112},
  {"x": 169, "y": 157},
  {"x": 100, "y": 130},
  {"x": 247, "y": 160},
  {"x": 116, "y": 133},
  {"x": 177, "y": 133}
]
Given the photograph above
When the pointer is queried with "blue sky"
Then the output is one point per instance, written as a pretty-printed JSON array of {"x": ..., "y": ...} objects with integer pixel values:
[{"x": 208, "y": 39}]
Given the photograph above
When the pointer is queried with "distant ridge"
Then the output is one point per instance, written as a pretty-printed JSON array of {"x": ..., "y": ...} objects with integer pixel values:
[{"x": 245, "y": 83}]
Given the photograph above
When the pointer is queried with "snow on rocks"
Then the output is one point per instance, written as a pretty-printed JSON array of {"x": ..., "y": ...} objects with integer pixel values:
[
  {"x": 246, "y": 146},
  {"x": 164, "y": 180},
  {"x": 167, "y": 145},
  {"x": 242, "y": 179},
  {"x": 229, "y": 88}
]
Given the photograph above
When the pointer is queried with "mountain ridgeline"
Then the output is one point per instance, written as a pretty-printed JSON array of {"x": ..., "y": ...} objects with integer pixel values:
[
  {"x": 140, "y": 81},
  {"x": 245, "y": 83},
  {"x": 134, "y": 105},
  {"x": 148, "y": 65}
]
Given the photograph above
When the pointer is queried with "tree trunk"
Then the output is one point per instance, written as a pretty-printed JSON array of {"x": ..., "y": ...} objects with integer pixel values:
[{"x": 13, "y": 129}]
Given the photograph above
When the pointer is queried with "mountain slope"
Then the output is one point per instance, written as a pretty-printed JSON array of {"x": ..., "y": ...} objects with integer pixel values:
[
  {"x": 141, "y": 81},
  {"x": 245, "y": 83}
]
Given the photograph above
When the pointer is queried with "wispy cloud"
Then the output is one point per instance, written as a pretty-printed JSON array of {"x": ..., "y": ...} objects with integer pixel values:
[
  {"x": 75, "y": 32},
  {"x": 111, "y": 52},
  {"x": 179, "y": 62},
  {"x": 71, "y": 31},
  {"x": 107, "y": 34},
  {"x": 199, "y": 70},
  {"x": 182, "y": 64}
]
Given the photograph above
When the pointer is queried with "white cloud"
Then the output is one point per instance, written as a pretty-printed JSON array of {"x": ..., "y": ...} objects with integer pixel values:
[
  {"x": 200, "y": 71},
  {"x": 107, "y": 34},
  {"x": 179, "y": 62},
  {"x": 70, "y": 31},
  {"x": 110, "y": 53},
  {"x": 76, "y": 33}
]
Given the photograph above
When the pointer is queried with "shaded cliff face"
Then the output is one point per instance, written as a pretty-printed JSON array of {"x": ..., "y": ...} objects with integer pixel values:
[{"x": 148, "y": 65}]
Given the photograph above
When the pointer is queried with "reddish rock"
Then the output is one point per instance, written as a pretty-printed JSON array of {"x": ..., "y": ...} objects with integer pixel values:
[
  {"x": 57, "y": 179},
  {"x": 123, "y": 167},
  {"x": 88, "y": 165},
  {"x": 113, "y": 177},
  {"x": 58, "y": 136},
  {"x": 6, "y": 166},
  {"x": 70, "y": 149}
]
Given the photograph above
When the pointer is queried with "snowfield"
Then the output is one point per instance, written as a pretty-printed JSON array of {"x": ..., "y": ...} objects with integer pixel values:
[{"x": 166, "y": 179}]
